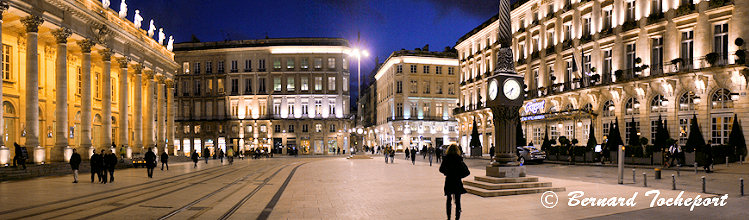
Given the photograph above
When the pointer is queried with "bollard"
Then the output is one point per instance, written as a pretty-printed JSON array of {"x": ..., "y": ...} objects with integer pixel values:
[
  {"x": 657, "y": 173},
  {"x": 695, "y": 168},
  {"x": 726, "y": 161},
  {"x": 673, "y": 182},
  {"x": 703, "y": 184},
  {"x": 644, "y": 179},
  {"x": 634, "y": 180},
  {"x": 741, "y": 181}
]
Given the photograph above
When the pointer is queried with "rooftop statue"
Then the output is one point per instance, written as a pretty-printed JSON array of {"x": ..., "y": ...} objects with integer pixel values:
[
  {"x": 123, "y": 9},
  {"x": 137, "y": 19},
  {"x": 151, "y": 29}
]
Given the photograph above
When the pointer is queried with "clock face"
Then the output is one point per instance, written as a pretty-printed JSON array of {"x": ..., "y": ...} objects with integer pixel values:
[
  {"x": 493, "y": 89},
  {"x": 511, "y": 89}
]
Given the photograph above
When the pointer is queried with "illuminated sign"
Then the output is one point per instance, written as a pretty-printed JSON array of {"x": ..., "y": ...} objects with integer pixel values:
[
  {"x": 531, "y": 118},
  {"x": 535, "y": 107}
]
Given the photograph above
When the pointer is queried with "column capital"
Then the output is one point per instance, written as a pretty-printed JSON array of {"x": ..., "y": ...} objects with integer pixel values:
[
  {"x": 123, "y": 61},
  {"x": 86, "y": 45},
  {"x": 159, "y": 78},
  {"x": 62, "y": 34},
  {"x": 138, "y": 68},
  {"x": 106, "y": 54},
  {"x": 32, "y": 23},
  {"x": 147, "y": 74},
  {"x": 169, "y": 83}
]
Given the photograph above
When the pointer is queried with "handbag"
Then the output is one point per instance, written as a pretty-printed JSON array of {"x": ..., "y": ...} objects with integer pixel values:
[{"x": 464, "y": 170}]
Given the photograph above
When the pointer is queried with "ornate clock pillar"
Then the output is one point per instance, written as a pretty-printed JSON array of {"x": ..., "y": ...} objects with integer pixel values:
[{"x": 505, "y": 93}]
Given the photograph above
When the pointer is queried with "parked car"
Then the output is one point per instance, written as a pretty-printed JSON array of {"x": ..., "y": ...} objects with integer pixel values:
[
  {"x": 530, "y": 154},
  {"x": 138, "y": 160}
]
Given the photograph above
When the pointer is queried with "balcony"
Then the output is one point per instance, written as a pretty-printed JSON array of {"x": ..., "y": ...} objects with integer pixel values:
[
  {"x": 468, "y": 108},
  {"x": 605, "y": 32},
  {"x": 550, "y": 50},
  {"x": 417, "y": 118},
  {"x": 629, "y": 25},
  {"x": 656, "y": 17},
  {"x": 586, "y": 38},
  {"x": 535, "y": 55},
  {"x": 567, "y": 44},
  {"x": 685, "y": 9},
  {"x": 719, "y": 3}
]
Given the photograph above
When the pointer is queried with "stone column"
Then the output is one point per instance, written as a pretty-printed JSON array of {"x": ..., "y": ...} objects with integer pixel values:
[
  {"x": 170, "y": 116},
  {"x": 123, "y": 104},
  {"x": 86, "y": 99},
  {"x": 61, "y": 95},
  {"x": 32, "y": 23},
  {"x": 148, "y": 113},
  {"x": 106, "y": 100},
  {"x": 4, "y": 151},
  {"x": 138, "y": 109},
  {"x": 160, "y": 126}
]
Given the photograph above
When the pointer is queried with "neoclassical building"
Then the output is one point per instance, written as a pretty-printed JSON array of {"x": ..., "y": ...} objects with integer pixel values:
[
  {"x": 413, "y": 93},
  {"x": 77, "y": 75},
  {"x": 588, "y": 63},
  {"x": 274, "y": 94}
]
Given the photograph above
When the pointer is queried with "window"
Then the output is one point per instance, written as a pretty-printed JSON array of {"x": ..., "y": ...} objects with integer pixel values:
[
  {"x": 720, "y": 40},
  {"x": 399, "y": 68},
  {"x": 569, "y": 73},
  {"x": 554, "y": 133},
  {"x": 331, "y": 63},
  {"x": 196, "y": 70},
  {"x": 305, "y": 83},
  {"x": 305, "y": 128},
  {"x": 185, "y": 65},
  {"x": 344, "y": 81},
  {"x": 399, "y": 110},
  {"x": 247, "y": 86},
  {"x": 318, "y": 83},
  {"x": 331, "y": 107},
  {"x": 220, "y": 85},
  {"x": 451, "y": 71},
  {"x": 567, "y": 32},
  {"x": 263, "y": 128},
  {"x": 276, "y": 108},
  {"x": 261, "y": 85},
  {"x": 261, "y": 65},
  {"x": 631, "y": 56},
  {"x": 425, "y": 109},
  {"x": 318, "y": 128},
  {"x": 399, "y": 87},
  {"x": 291, "y": 128},
  {"x": 607, "y": 18},
  {"x": 451, "y": 88},
  {"x": 234, "y": 66},
  {"x": 629, "y": 128},
  {"x": 607, "y": 73},
  {"x": 721, "y": 99},
  {"x": 277, "y": 64},
  {"x": 318, "y": 107},
  {"x": 630, "y": 11},
  {"x": 197, "y": 87},
  {"x": 549, "y": 37},
  {"x": 413, "y": 68},
  {"x": 720, "y": 129},
  {"x": 687, "y": 102},
  {"x": 687, "y": 49},
  {"x": 438, "y": 109},
  {"x": 439, "y": 87},
  {"x": 586, "y": 26},
  {"x": 345, "y": 63},
  {"x": 208, "y": 68},
  {"x": 608, "y": 109},
  {"x": 427, "y": 87},
  {"x": 569, "y": 131},
  {"x": 438, "y": 70},
  {"x": 209, "y": 86},
  {"x": 658, "y": 104},
  {"x": 606, "y": 128},
  {"x": 414, "y": 109},
  {"x": 220, "y": 66},
  {"x": 97, "y": 85},
  {"x": 655, "y": 7},
  {"x": 632, "y": 106},
  {"x": 538, "y": 136},
  {"x": 78, "y": 69},
  {"x": 587, "y": 66},
  {"x": 414, "y": 87},
  {"x": 234, "y": 86},
  {"x": 290, "y": 84},
  {"x": 277, "y": 128},
  {"x": 331, "y": 83},
  {"x": 277, "y": 83},
  {"x": 683, "y": 130},
  {"x": 656, "y": 57},
  {"x": 653, "y": 129},
  {"x": 586, "y": 131},
  {"x": 318, "y": 63},
  {"x": 305, "y": 63},
  {"x": 426, "y": 69},
  {"x": 290, "y": 63},
  {"x": 248, "y": 65},
  {"x": 305, "y": 109}
]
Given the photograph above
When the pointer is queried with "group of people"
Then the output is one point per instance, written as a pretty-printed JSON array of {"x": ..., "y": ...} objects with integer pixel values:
[
  {"x": 219, "y": 155},
  {"x": 101, "y": 164}
]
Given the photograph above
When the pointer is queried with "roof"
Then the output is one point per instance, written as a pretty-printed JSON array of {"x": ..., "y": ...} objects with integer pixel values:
[
  {"x": 422, "y": 53},
  {"x": 262, "y": 43}
]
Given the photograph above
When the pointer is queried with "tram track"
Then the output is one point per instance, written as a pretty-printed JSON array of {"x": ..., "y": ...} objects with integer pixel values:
[
  {"x": 158, "y": 194},
  {"x": 215, "y": 192},
  {"x": 144, "y": 185}
]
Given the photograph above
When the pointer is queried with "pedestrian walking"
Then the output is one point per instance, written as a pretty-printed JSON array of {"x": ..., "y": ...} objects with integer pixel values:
[
  {"x": 111, "y": 161},
  {"x": 707, "y": 157},
  {"x": 408, "y": 154},
  {"x": 424, "y": 152},
  {"x": 164, "y": 160},
  {"x": 75, "y": 162},
  {"x": 206, "y": 154},
  {"x": 194, "y": 158},
  {"x": 454, "y": 170},
  {"x": 95, "y": 166},
  {"x": 230, "y": 155},
  {"x": 413, "y": 156},
  {"x": 392, "y": 155},
  {"x": 20, "y": 156},
  {"x": 123, "y": 153},
  {"x": 104, "y": 166},
  {"x": 438, "y": 153},
  {"x": 387, "y": 155},
  {"x": 491, "y": 152},
  {"x": 430, "y": 152},
  {"x": 150, "y": 162}
]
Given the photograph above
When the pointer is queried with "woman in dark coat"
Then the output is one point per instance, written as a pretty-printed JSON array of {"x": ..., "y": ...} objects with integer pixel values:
[
  {"x": 194, "y": 157},
  {"x": 454, "y": 170},
  {"x": 150, "y": 162},
  {"x": 413, "y": 156}
]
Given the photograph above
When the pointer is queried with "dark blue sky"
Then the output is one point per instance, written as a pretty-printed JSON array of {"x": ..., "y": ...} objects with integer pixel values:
[{"x": 385, "y": 25}]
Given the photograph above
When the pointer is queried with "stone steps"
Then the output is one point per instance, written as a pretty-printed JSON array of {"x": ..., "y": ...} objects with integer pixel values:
[
  {"x": 490, "y": 179},
  {"x": 509, "y": 192},
  {"x": 498, "y": 186}
]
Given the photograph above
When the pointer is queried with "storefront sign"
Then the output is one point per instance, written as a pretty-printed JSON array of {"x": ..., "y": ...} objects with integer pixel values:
[
  {"x": 531, "y": 118},
  {"x": 535, "y": 107}
]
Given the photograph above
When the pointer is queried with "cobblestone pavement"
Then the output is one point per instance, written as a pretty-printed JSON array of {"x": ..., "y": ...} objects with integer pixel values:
[{"x": 297, "y": 188}]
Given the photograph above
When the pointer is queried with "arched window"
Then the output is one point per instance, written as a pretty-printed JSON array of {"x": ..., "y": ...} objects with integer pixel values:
[
  {"x": 588, "y": 107},
  {"x": 687, "y": 101},
  {"x": 608, "y": 109},
  {"x": 658, "y": 104},
  {"x": 632, "y": 106},
  {"x": 569, "y": 107},
  {"x": 721, "y": 99},
  {"x": 8, "y": 108}
]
